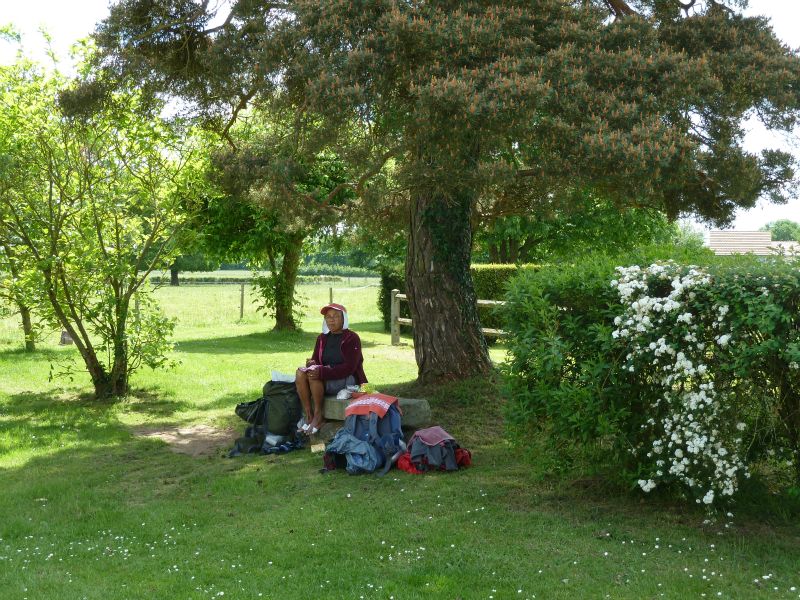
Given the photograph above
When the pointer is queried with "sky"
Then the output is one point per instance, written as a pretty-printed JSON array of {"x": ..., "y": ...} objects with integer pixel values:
[{"x": 66, "y": 21}]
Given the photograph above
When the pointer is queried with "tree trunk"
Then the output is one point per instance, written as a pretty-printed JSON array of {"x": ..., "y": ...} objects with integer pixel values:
[
  {"x": 27, "y": 327},
  {"x": 284, "y": 284},
  {"x": 494, "y": 253},
  {"x": 100, "y": 379},
  {"x": 448, "y": 342},
  {"x": 118, "y": 378},
  {"x": 24, "y": 309},
  {"x": 173, "y": 276}
]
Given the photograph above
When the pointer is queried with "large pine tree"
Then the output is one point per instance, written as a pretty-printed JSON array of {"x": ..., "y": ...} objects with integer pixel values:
[{"x": 639, "y": 102}]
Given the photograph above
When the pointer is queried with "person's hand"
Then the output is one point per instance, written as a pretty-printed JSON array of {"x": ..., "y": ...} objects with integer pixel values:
[
  {"x": 313, "y": 374},
  {"x": 310, "y": 361}
]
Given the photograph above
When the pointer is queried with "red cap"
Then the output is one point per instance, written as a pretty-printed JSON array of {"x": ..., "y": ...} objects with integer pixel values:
[{"x": 332, "y": 305}]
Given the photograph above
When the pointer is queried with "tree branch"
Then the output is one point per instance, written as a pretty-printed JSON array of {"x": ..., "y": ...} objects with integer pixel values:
[
  {"x": 169, "y": 25},
  {"x": 375, "y": 169},
  {"x": 227, "y": 22},
  {"x": 620, "y": 8},
  {"x": 717, "y": 4},
  {"x": 240, "y": 106}
]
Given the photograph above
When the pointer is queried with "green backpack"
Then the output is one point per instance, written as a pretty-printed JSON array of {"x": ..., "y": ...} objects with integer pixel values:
[
  {"x": 283, "y": 409},
  {"x": 273, "y": 419}
]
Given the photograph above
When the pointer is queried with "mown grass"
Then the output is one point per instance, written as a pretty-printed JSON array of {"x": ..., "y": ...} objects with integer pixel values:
[{"x": 89, "y": 510}]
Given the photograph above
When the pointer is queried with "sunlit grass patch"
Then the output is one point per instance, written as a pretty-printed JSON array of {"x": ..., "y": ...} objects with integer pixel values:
[{"x": 89, "y": 509}]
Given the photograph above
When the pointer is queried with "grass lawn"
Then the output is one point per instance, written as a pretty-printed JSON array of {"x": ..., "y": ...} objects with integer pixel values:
[{"x": 90, "y": 510}]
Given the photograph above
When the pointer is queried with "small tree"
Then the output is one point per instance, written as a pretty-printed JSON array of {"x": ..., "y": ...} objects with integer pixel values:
[
  {"x": 274, "y": 194},
  {"x": 93, "y": 203},
  {"x": 17, "y": 289}
]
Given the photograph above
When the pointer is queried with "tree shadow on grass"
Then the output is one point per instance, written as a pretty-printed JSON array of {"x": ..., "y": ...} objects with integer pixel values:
[
  {"x": 98, "y": 483},
  {"x": 268, "y": 342},
  {"x": 56, "y": 424},
  {"x": 20, "y": 355},
  {"x": 154, "y": 402},
  {"x": 46, "y": 419},
  {"x": 253, "y": 343},
  {"x": 231, "y": 400}
]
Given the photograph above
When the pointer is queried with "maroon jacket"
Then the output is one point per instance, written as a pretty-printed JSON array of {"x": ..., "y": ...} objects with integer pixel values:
[{"x": 351, "y": 354}]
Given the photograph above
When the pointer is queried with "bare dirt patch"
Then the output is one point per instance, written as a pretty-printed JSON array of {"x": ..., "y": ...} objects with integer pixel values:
[{"x": 194, "y": 440}]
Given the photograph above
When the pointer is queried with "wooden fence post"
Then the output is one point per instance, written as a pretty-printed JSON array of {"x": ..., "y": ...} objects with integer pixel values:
[
  {"x": 330, "y": 295},
  {"x": 393, "y": 322},
  {"x": 241, "y": 302}
]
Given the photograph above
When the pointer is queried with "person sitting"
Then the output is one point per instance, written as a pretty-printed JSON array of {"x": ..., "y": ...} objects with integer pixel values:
[{"x": 335, "y": 363}]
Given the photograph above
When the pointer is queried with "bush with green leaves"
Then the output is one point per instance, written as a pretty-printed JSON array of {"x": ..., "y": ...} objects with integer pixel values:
[
  {"x": 680, "y": 376},
  {"x": 392, "y": 278},
  {"x": 489, "y": 281},
  {"x": 676, "y": 336},
  {"x": 563, "y": 378},
  {"x": 717, "y": 351},
  {"x": 313, "y": 268}
]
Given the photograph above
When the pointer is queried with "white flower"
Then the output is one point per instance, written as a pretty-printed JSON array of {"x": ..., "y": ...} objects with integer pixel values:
[{"x": 647, "y": 485}]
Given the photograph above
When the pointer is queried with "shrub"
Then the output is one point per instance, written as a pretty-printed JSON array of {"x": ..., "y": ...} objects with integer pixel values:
[
  {"x": 221, "y": 279},
  {"x": 719, "y": 349},
  {"x": 489, "y": 281},
  {"x": 680, "y": 374},
  {"x": 313, "y": 268},
  {"x": 561, "y": 355},
  {"x": 392, "y": 278}
]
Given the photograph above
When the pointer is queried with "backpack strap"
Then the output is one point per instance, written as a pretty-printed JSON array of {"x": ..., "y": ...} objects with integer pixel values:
[
  {"x": 350, "y": 424},
  {"x": 390, "y": 460},
  {"x": 374, "y": 436},
  {"x": 387, "y": 444}
]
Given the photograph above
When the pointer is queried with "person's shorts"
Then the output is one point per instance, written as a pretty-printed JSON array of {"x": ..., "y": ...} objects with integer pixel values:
[{"x": 334, "y": 386}]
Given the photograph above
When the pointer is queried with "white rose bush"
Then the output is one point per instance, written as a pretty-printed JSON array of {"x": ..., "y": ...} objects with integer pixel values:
[{"x": 669, "y": 376}]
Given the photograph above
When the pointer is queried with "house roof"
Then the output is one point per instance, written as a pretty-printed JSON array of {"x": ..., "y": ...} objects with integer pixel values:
[{"x": 741, "y": 242}]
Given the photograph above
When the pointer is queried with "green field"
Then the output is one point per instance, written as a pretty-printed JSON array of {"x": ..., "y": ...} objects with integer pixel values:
[{"x": 89, "y": 509}]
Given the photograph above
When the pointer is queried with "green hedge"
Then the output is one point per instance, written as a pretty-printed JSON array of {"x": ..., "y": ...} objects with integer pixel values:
[
  {"x": 489, "y": 281},
  {"x": 392, "y": 278},
  {"x": 214, "y": 279},
  {"x": 337, "y": 270},
  {"x": 562, "y": 371},
  {"x": 584, "y": 378}
]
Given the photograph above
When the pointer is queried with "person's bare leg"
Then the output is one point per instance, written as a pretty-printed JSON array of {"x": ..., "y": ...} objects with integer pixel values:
[
  {"x": 302, "y": 383},
  {"x": 318, "y": 394}
]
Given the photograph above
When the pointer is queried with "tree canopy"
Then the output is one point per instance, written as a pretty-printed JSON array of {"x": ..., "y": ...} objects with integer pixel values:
[
  {"x": 639, "y": 103},
  {"x": 783, "y": 230}
]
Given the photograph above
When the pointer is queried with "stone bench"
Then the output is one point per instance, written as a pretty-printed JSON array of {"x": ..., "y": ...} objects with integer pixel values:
[{"x": 416, "y": 411}]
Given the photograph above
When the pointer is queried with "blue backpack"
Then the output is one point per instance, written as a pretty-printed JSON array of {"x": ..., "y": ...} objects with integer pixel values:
[{"x": 366, "y": 443}]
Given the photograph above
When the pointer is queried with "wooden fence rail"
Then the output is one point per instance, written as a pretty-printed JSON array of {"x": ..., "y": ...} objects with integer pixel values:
[{"x": 396, "y": 320}]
